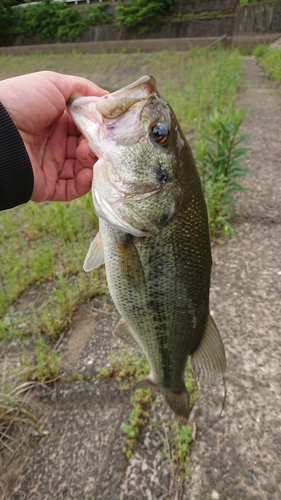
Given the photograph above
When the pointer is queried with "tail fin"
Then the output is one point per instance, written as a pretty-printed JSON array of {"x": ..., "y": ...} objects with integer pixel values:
[{"x": 177, "y": 401}]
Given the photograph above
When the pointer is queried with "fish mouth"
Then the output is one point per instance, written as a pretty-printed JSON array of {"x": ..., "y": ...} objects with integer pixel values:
[{"x": 113, "y": 216}]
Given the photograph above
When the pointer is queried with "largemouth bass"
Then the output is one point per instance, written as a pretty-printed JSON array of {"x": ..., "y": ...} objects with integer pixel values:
[{"x": 153, "y": 235}]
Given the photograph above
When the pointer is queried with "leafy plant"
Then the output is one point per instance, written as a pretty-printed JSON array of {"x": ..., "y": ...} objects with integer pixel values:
[
  {"x": 123, "y": 365},
  {"x": 138, "y": 418},
  {"x": 19, "y": 413},
  {"x": 126, "y": 365},
  {"x": 218, "y": 160},
  {"x": 96, "y": 16},
  {"x": 74, "y": 377},
  {"x": 270, "y": 58},
  {"x": 45, "y": 364},
  {"x": 180, "y": 441},
  {"x": 142, "y": 12},
  {"x": 6, "y": 14},
  {"x": 49, "y": 245},
  {"x": 246, "y": 2},
  {"x": 48, "y": 19},
  {"x": 207, "y": 82}
]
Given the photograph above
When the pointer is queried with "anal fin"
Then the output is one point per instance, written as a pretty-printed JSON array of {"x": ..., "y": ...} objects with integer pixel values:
[
  {"x": 122, "y": 331},
  {"x": 208, "y": 361},
  {"x": 145, "y": 383}
]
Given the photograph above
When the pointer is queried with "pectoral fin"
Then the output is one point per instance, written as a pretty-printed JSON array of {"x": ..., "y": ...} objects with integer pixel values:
[
  {"x": 129, "y": 262},
  {"x": 208, "y": 361},
  {"x": 95, "y": 256}
]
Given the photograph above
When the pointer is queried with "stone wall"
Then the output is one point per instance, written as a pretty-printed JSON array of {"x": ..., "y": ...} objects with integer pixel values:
[
  {"x": 260, "y": 18},
  {"x": 169, "y": 29},
  {"x": 197, "y": 6},
  {"x": 264, "y": 17}
]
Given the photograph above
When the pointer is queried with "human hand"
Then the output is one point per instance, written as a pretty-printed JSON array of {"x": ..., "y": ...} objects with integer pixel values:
[{"x": 61, "y": 159}]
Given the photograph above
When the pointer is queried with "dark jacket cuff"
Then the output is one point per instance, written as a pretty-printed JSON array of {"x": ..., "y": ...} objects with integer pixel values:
[{"x": 16, "y": 174}]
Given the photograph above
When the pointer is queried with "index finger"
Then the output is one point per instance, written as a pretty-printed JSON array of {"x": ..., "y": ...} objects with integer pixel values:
[{"x": 74, "y": 86}]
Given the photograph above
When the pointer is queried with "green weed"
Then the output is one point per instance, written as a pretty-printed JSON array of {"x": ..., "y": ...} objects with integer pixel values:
[
  {"x": 44, "y": 365},
  {"x": 246, "y": 2},
  {"x": 180, "y": 437},
  {"x": 18, "y": 411},
  {"x": 207, "y": 82},
  {"x": 52, "y": 20},
  {"x": 124, "y": 365},
  {"x": 143, "y": 13},
  {"x": 219, "y": 162},
  {"x": 47, "y": 243},
  {"x": 191, "y": 385},
  {"x": 42, "y": 247},
  {"x": 138, "y": 419},
  {"x": 270, "y": 60},
  {"x": 74, "y": 377},
  {"x": 96, "y": 15}
]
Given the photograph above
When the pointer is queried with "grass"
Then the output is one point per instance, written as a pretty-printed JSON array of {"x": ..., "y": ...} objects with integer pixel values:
[
  {"x": 18, "y": 409},
  {"x": 270, "y": 59},
  {"x": 42, "y": 247},
  {"x": 131, "y": 368},
  {"x": 246, "y": 2},
  {"x": 193, "y": 82}
]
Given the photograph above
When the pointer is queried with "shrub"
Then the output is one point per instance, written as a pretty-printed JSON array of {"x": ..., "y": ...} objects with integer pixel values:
[
  {"x": 143, "y": 12},
  {"x": 49, "y": 19},
  {"x": 96, "y": 15},
  {"x": 218, "y": 160},
  {"x": 270, "y": 59}
]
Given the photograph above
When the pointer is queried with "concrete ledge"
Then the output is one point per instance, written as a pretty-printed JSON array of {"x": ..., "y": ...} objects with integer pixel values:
[
  {"x": 153, "y": 45},
  {"x": 250, "y": 41},
  {"x": 115, "y": 46}
]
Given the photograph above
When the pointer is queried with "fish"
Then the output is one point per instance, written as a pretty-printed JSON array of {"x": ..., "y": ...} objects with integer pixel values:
[{"x": 153, "y": 235}]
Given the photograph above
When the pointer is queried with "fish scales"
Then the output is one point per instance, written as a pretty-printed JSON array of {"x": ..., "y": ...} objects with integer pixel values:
[
  {"x": 167, "y": 302},
  {"x": 153, "y": 235}
]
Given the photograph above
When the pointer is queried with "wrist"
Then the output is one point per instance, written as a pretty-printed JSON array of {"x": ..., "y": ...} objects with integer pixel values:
[{"x": 16, "y": 174}]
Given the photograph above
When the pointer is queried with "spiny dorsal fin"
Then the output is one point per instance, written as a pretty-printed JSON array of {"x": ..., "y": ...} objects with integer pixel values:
[
  {"x": 208, "y": 361},
  {"x": 95, "y": 256}
]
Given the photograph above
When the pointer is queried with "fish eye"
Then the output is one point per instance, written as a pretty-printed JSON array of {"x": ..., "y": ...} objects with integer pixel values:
[{"x": 160, "y": 133}]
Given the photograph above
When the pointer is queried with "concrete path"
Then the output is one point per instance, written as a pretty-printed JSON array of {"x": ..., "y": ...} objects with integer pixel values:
[{"x": 240, "y": 457}]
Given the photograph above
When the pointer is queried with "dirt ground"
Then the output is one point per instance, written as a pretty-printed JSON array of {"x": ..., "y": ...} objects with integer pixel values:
[{"x": 238, "y": 458}]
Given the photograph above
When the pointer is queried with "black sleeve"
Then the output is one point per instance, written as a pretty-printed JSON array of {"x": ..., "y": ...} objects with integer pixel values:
[{"x": 16, "y": 174}]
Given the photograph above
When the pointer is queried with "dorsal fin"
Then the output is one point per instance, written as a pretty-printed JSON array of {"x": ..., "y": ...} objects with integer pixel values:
[{"x": 208, "y": 361}]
